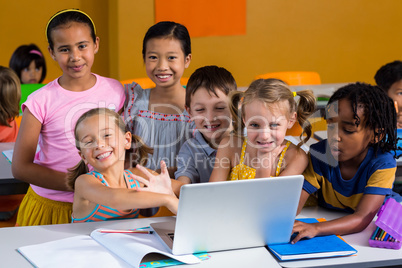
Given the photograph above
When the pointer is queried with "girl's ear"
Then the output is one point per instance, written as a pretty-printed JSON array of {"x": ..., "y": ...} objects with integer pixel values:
[
  {"x": 83, "y": 158},
  {"x": 292, "y": 120},
  {"x": 96, "y": 45},
  {"x": 128, "y": 137},
  {"x": 51, "y": 53},
  {"x": 187, "y": 61}
]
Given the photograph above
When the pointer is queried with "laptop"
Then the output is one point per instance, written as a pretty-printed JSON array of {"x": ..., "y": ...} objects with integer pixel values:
[{"x": 232, "y": 215}]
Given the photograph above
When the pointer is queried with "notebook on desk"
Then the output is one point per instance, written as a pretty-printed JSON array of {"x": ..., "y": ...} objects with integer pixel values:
[{"x": 232, "y": 215}]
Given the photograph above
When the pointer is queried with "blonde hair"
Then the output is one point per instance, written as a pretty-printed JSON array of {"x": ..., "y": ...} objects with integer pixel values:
[
  {"x": 138, "y": 146},
  {"x": 271, "y": 91},
  {"x": 10, "y": 95}
]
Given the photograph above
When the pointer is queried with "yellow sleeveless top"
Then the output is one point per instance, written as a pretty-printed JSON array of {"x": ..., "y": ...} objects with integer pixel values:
[{"x": 244, "y": 172}]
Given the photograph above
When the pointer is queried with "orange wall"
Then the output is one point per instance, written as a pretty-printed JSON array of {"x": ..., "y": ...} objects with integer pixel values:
[{"x": 342, "y": 40}]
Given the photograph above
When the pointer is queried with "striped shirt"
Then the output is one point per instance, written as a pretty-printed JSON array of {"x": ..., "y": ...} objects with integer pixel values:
[
  {"x": 104, "y": 213},
  {"x": 375, "y": 175}
]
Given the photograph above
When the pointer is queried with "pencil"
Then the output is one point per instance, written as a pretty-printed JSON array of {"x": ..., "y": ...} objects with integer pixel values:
[
  {"x": 379, "y": 234},
  {"x": 386, "y": 237},
  {"x": 126, "y": 231},
  {"x": 383, "y": 235},
  {"x": 375, "y": 233}
]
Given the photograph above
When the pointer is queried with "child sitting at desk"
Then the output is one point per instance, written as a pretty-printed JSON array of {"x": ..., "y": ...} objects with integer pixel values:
[
  {"x": 353, "y": 170},
  {"x": 268, "y": 109},
  {"x": 207, "y": 103},
  {"x": 110, "y": 192},
  {"x": 10, "y": 95}
]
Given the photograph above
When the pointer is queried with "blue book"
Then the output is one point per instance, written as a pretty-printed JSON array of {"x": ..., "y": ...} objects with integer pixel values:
[{"x": 316, "y": 247}]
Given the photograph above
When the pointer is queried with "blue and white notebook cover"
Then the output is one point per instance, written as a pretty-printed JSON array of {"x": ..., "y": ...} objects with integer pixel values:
[{"x": 317, "y": 247}]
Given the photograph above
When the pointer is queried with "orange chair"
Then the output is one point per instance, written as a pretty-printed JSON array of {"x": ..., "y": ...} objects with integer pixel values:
[
  {"x": 18, "y": 120},
  {"x": 294, "y": 78},
  {"x": 146, "y": 82}
]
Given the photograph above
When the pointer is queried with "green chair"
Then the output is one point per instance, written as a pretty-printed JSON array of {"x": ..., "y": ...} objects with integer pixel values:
[{"x": 27, "y": 89}]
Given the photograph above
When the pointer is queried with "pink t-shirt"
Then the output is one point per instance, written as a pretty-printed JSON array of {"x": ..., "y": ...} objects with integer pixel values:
[{"x": 58, "y": 110}]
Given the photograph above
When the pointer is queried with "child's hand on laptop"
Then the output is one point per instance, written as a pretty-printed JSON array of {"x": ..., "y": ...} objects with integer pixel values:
[
  {"x": 308, "y": 230},
  {"x": 155, "y": 183}
]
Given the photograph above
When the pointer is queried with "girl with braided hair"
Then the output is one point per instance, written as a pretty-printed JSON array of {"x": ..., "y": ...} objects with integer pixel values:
[{"x": 353, "y": 170}]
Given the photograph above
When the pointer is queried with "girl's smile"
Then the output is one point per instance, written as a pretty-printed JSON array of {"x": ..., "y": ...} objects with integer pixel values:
[
  {"x": 266, "y": 128},
  {"x": 165, "y": 61},
  {"x": 74, "y": 50},
  {"x": 102, "y": 143}
]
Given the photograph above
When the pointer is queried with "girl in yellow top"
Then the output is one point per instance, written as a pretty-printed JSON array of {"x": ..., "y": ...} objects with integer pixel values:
[{"x": 267, "y": 109}]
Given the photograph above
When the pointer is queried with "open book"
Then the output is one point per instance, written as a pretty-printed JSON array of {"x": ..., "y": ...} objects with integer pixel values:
[
  {"x": 106, "y": 250},
  {"x": 316, "y": 247},
  {"x": 8, "y": 154}
]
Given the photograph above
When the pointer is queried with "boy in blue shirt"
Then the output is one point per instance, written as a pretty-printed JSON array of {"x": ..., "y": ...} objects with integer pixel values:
[
  {"x": 207, "y": 103},
  {"x": 354, "y": 169}
]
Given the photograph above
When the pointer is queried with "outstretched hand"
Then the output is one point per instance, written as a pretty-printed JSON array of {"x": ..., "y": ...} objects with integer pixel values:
[{"x": 155, "y": 183}]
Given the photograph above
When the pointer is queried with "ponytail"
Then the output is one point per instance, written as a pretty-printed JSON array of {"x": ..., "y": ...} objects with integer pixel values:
[
  {"x": 236, "y": 99},
  {"x": 305, "y": 108},
  {"x": 75, "y": 172}
]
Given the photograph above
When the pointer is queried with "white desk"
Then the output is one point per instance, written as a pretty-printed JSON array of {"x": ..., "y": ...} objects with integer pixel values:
[
  {"x": 14, "y": 237},
  {"x": 8, "y": 184}
]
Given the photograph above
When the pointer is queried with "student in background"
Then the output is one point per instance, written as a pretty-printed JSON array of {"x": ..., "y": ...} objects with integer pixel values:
[
  {"x": 158, "y": 115},
  {"x": 207, "y": 103},
  {"x": 10, "y": 95},
  {"x": 389, "y": 78},
  {"x": 353, "y": 170},
  {"x": 29, "y": 64},
  {"x": 50, "y": 114},
  {"x": 110, "y": 192},
  {"x": 268, "y": 109}
]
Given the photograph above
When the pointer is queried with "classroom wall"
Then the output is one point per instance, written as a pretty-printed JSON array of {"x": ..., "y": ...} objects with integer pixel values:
[{"x": 343, "y": 40}]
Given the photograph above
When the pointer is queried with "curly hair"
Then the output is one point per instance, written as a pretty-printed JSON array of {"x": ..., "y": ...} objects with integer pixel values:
[{"x": 379, "y": 113}]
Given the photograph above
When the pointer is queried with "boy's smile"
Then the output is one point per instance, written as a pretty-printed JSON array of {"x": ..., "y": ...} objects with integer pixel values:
[{"x": 210, "y": 114}]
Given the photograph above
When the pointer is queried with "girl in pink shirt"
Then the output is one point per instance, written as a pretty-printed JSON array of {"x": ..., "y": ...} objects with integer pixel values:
[{"x": 49, "y": 117}]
